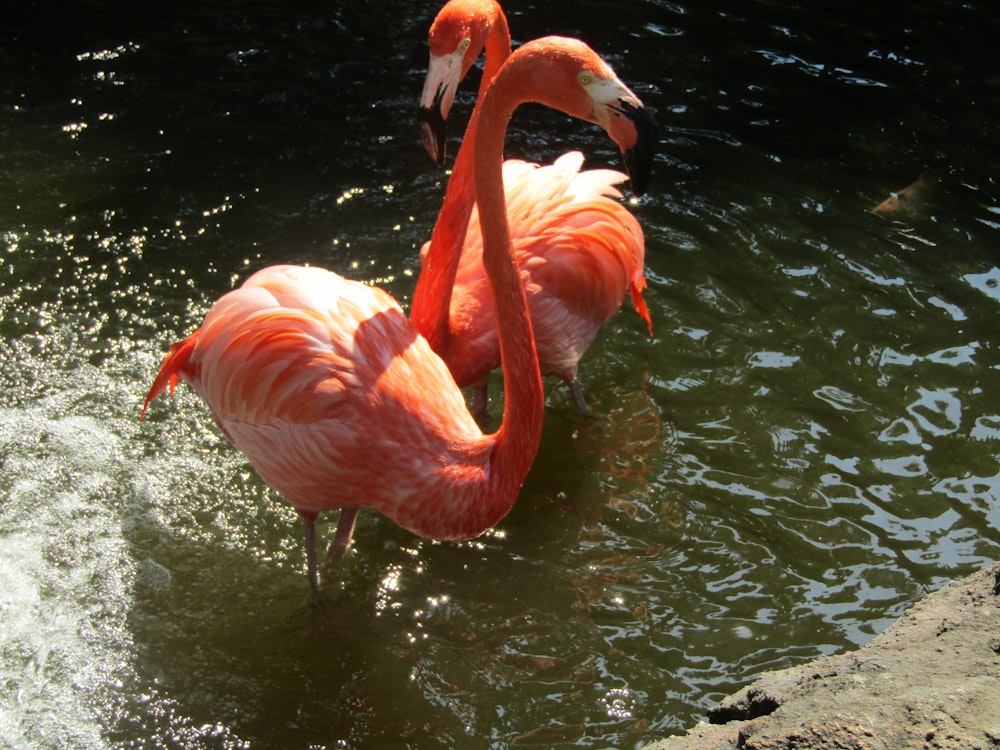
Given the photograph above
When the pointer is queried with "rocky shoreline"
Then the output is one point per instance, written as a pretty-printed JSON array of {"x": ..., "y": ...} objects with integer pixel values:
[{"x": 932, "y": 680}]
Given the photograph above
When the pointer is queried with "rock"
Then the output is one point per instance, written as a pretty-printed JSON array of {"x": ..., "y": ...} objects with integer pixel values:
[
  {"x": 932, "y": 680},
  {"x": 912, "y": 200}
]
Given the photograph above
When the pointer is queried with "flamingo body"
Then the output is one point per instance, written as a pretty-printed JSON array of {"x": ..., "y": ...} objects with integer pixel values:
[
  {"x": 579, "y": 250},
  {"x": 317, "y": 380},
  {"x": 337, "y": 400}
]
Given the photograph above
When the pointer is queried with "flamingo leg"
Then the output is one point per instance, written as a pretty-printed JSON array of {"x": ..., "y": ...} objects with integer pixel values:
[
  {"x": 480, "y": 398},
  {"x": 342, "y": 537},
  {"x": 309, "y": 531},
  {"x": 581, "y": 402}
]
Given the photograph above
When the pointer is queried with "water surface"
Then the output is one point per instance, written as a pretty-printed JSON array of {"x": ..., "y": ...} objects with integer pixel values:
[{"x": 807, "y": 445}]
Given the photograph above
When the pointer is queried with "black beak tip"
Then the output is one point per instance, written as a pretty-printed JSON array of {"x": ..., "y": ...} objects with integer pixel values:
[
  {"x": 639, "y": 169},
  {"x": 639, "y": 158},
  {"x": 432, "y": 132},
  {"x": 432, "y": 126}
]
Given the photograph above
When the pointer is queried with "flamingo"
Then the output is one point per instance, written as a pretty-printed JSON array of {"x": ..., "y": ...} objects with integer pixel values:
[
  {"x": 578, "y": 248},
  {"x": 339, "y": 402}
]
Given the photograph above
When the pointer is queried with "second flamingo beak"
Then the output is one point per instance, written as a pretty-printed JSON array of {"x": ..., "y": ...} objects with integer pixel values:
[
  {"x": 443, "y": 76},
  {"x": 432, "y": 128},
  {"x": 638, "y": 145}
]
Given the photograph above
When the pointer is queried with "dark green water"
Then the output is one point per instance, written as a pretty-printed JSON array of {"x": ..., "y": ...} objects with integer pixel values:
[{"x": 810, "y": 443}]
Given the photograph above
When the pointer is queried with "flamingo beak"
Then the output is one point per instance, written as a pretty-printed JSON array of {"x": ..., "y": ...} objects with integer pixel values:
[
  {"x": 443, "y": 76},
  {"x": 432, "y": 127},
  {"x": 635, "y": 132}
]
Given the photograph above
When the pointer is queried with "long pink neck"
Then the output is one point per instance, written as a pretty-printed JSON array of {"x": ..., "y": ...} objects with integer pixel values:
[
  {"x": 429, "y": 310},
  {"x": 524, "y": 402}
]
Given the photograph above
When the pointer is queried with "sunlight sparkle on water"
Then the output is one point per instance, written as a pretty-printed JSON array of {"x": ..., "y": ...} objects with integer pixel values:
[
  {"x": 349, "y": 194},
  {"x": 619, "y": 703}
]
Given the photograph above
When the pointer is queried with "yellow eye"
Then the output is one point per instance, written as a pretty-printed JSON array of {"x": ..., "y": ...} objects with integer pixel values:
[
  {"x": 464, "y": 45},
  {"x": 585, "y": 78}
]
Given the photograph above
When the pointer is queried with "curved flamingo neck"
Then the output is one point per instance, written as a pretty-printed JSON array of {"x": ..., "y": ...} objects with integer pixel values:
[
  {"x": 524, "y": 401},
  {"x": 497, "y": 50},
  {"x": 431, "y": 304}
]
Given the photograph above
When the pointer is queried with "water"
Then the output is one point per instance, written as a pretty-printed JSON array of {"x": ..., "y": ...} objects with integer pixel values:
[{"x": 807, "y": 446}]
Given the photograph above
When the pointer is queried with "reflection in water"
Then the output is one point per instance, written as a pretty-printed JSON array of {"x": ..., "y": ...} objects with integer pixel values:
[{"x": 809, "y": 444}]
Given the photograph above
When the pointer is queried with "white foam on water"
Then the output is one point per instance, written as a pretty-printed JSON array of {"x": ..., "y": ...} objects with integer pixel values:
[
  {"x": 65, "y": 578},
  {"x": 74, "y": 492}
]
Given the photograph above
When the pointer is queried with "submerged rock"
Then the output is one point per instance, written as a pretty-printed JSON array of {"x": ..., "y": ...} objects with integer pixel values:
[
  {"x": 932, "y": 680},
  {"x": 911, "y": 200}
]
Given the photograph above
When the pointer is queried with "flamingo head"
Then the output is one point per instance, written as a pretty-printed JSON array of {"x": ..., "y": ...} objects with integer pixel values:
[
  {"x": 568, "y": 75},
  {"x": 457, "y": 38},
  {"x": 628, "y": 122}
]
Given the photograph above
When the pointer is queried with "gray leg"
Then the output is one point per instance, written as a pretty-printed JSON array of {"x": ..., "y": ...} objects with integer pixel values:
[
  {"x": 480, "y": 398},
  {"x": 581, "y": 402},
  {"x": 309, "y": 529},
  {"x": 342, "y": 538}
]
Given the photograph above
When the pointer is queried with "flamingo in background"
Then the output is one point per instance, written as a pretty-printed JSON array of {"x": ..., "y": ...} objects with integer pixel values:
[
  {"x": 578, "y": 248},
  {"x": 338, "y": 401}
]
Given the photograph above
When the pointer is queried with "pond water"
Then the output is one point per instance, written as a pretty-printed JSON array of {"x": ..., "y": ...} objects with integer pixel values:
[{"x": 808, "y": 445}]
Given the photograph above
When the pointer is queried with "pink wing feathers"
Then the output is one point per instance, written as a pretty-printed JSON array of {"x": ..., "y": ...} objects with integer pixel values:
[
  {"x": 580, "y": 251},
  {"x": 317, "y": 379}
]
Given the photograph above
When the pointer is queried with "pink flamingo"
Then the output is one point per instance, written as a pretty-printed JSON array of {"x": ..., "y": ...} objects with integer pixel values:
[
  {"x": 579, "y": 250},
  {"x": 338, "y": 401}
]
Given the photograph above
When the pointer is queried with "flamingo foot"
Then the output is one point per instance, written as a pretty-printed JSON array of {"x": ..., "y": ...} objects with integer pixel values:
[
  {"x": 338, "y": 546},
  {"x": 581, "y": 402}
]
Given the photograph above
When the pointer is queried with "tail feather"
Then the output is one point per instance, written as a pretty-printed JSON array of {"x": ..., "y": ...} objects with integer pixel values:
[
  {"x": 174, "y": 365},
  {"x": 635, "y": 292}
]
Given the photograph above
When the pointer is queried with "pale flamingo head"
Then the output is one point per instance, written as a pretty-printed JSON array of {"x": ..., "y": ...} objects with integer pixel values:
[
  {"x": 568, "y": 75},
  {"x": 627, "y": 121},
  {"x": 456, "y": 39}
]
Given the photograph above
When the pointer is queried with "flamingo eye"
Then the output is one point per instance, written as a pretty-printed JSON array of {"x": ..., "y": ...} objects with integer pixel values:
[
  {"x": 585, "y": 78},
  {"x": 463, "y": 45}
]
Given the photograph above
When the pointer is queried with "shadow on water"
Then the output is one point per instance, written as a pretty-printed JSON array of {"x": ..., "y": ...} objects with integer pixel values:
[{"x": 806, "y": 446}]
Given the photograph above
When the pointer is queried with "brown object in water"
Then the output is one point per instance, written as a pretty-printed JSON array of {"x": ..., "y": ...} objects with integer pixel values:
[{"x": 907, "y": 201}]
